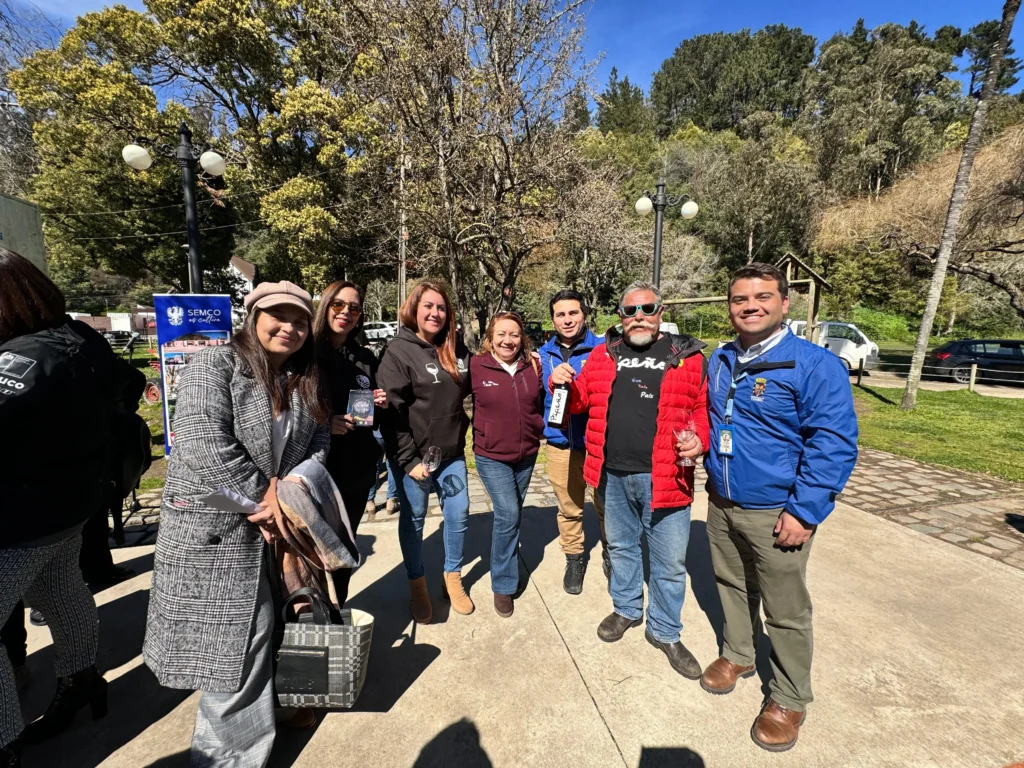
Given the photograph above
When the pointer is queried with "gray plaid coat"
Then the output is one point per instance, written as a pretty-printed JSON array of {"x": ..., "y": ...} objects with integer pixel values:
[{"x": 206, "y": 568}]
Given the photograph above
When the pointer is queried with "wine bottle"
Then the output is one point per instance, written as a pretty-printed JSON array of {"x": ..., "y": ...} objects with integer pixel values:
[{"x": 559, "y": 414}]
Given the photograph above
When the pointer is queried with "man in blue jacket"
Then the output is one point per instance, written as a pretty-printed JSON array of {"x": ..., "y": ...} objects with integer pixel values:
[
  {"x": 566, "y": 448},
  {"x": 783, "y": 444}
]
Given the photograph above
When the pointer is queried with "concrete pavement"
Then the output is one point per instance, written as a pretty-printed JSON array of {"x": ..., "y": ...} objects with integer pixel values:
[{"x": 917, "y": 645}]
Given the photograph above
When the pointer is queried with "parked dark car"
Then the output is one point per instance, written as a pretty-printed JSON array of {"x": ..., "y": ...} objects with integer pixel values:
[{"x": 998, "y": 361}]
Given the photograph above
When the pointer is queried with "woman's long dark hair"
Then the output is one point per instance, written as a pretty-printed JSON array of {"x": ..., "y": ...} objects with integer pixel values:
[
  {"x": 29, "y": 301},
  {"x": 445, "y": 340},
  {"x": 305, "y": 373},
  {"x": 322, "y": 323}
]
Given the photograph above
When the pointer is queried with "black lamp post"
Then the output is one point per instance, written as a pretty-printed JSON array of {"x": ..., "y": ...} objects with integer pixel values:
[
  {"x": 186, "y": 154},
  {"x": 658, "y": 203}
]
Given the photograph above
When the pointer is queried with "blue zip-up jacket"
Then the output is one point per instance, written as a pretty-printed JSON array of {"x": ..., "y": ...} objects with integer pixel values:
[
  {"x": 573, "y": 436},
  {"x": 794, "y": 429}
]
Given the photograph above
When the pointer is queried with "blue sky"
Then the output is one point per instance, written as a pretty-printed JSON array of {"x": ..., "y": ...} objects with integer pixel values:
[{"x": 637, "y": 36}]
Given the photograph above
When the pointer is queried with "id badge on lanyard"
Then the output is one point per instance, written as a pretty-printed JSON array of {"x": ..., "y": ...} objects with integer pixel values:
[
  {"x": 726, "y": 444},
  {"x": 725, "y": 440}
]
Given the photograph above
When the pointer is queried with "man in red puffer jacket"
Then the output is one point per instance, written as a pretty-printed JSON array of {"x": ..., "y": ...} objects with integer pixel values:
[{"x": 642, "y": 389}]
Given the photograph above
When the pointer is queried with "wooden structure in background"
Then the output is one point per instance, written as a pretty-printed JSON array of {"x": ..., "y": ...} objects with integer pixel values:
[{"x": 793, "y": 268}]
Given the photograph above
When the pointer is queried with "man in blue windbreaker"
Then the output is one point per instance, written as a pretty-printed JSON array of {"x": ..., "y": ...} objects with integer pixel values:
[
  {"x": 566, "y": 448},
  {"x": 783, "y": 444}
]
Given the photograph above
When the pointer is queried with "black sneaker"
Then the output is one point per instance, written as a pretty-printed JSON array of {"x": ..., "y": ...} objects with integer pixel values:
[
  {"x": 679, "y": 657},
  {"x": 36, "y": 618},
  {"x": 575, "y": 567}
]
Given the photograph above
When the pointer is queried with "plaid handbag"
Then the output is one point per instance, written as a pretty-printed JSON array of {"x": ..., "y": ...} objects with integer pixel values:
[{"x": 322, "y": 663}]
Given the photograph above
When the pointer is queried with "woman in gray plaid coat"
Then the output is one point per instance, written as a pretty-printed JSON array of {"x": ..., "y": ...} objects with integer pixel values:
[{"x": 245, "y": 413}]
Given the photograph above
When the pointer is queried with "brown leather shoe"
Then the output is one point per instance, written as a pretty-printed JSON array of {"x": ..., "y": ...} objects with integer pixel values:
[
  {"x": 721, "y": 675},
  {"x": 504, "y": 605},
  {"x": 419, "y": 601},
  {"x": 776, "y": 728},
  {"x": 451, "y": 587}
]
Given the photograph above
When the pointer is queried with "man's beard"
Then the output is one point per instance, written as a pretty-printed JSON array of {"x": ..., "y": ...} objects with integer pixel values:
[{"x": 641, "y": 335}]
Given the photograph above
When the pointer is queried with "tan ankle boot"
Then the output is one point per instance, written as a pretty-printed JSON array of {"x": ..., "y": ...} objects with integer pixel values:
[
  {"x": 453, "y": 590},
  {"x": 419, "y": 601}
]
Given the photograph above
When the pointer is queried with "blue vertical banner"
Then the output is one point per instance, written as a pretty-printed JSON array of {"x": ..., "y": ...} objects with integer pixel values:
[{"x": 185, "y": 324}]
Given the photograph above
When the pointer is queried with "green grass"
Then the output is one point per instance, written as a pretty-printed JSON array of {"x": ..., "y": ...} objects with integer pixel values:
[
  {"x": 956, "y": 429},
  {"x": 153, "y": 480}
]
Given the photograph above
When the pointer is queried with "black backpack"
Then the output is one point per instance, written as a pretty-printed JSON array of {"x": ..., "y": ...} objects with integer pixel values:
[
  {"x": 131, "y": 440},
  {"x": 133, "y": 453}
]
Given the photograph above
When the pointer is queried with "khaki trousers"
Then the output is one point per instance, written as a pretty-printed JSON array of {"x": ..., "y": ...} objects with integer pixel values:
[
  {"x": 752, "y": 572},
  {"x": 565, "y": 470}
]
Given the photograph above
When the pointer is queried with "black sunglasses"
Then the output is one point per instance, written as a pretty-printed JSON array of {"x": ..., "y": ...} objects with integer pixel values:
[
  {"x": 645, "y": 309},
  {"x": 508, "y": 313}
]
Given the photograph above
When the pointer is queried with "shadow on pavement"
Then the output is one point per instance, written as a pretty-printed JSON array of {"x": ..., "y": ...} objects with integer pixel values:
[
  {"x": 702, "y": 577},
  {"x": 136, "y": 700},
  {"x": 396, "y": 659},
  {"x": 177, "y": 760},
  {"x": 141, "y": 564},
  {"x": 669, "y": 757},
  {"x": 1015, "y": 521},
  {"x": 457, "y": 745}
]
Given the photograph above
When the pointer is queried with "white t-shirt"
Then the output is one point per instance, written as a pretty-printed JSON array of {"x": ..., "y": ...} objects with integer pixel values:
[{"x": 280, "y": 431}]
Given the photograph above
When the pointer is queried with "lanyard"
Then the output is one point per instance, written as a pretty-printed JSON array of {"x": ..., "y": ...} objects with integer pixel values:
[{"x": 732, "y": 394}]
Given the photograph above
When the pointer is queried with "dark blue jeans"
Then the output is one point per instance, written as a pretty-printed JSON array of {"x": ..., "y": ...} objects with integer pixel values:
[
  {"x": 627, "y": 517},
  {"x": 506, "y": 483}
]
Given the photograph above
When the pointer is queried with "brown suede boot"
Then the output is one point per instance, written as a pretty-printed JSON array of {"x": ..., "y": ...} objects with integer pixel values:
[
  {"x": 721, "y": 675},
  {"x": 419, "y": 601},
  {"x": 776, "y": 728},
  {"x": 452, "y": 588}
]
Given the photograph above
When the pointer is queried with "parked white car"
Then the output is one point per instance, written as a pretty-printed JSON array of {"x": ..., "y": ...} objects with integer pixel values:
[
  {"x": 381, "y": 331},
  {"x": 846, "y": 340}
]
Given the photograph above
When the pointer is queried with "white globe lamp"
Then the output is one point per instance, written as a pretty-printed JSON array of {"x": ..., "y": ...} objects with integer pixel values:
[
  {"x": 212, "y": 163},
  {"x": 137, "y": 157},
  {"x": 689, "y": 209},
  {"x": 644, "y": 205}
]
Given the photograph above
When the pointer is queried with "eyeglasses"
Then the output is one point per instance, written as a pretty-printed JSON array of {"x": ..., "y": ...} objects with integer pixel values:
[
  {"x": 645, "y": 309},
  {"x": 338, "y": 306}
]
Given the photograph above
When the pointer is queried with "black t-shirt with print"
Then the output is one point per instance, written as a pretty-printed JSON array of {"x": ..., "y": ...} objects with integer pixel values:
[{"x": 633, "y": 410}]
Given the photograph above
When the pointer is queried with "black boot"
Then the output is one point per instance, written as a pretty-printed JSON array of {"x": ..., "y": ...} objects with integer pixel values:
[
  {"x": 575, "y": 566},
  {"x": 73, "y": 693},
  {"x": 10, "y": 756}
]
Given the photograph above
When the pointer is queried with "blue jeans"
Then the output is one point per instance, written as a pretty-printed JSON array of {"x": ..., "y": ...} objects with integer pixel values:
[
  {"x": 627, "y": 515},
  {"x": 450, "y": 483},
  {"x": 392, "y": 490},
  {"x": 506, "y": 483}
]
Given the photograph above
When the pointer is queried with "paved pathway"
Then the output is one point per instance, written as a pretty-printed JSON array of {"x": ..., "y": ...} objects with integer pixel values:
[
  {"x": 889, "y": 380},
  {"x": 976, "y": 512}
]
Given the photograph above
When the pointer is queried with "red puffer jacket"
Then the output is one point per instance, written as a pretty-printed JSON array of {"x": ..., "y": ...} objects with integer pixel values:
[{"x": 684, "y": 387}]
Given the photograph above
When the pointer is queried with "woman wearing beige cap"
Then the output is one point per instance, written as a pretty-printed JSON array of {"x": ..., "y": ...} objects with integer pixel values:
[{"x": 247, "y": 413}]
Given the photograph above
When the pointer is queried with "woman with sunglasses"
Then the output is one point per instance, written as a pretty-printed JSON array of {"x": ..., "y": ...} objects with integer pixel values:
[
  {"x": 508, "y": 422},
  {"x": 424, "y": 373},
  {"x": 347, "y": 367}
]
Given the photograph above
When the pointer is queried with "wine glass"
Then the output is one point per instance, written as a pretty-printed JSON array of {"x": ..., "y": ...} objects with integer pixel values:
[
  {"x": 432, "y": 460},
  {"x": 433, "y": 370},
  {"x": 684, "y": 434}
]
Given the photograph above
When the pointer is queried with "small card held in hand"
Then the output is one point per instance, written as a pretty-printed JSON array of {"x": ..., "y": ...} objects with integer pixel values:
[{"x": 360, "y": 406}]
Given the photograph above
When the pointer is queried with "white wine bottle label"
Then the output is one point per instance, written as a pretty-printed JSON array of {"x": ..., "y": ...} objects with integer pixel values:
[{"x": 559, "y": 407}]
